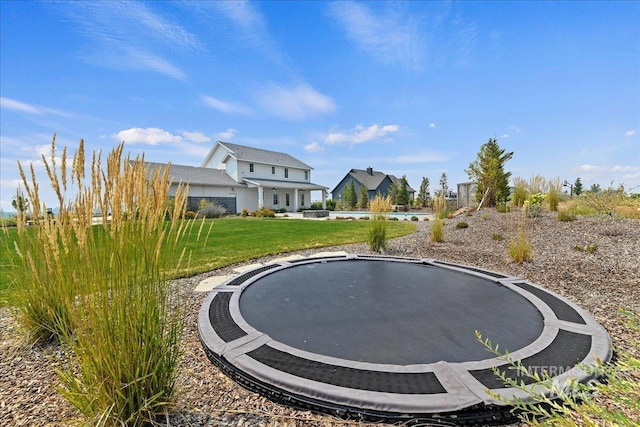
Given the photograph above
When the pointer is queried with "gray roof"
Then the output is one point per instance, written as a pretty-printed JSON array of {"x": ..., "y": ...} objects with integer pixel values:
[
  {"x": 258, "y": 155},
  {"x": 195, "y": 175},
  {"x": 372, "y": 180}
]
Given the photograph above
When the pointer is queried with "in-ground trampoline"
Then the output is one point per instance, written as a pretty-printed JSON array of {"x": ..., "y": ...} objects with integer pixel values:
[{"x": 392, "y": 338}]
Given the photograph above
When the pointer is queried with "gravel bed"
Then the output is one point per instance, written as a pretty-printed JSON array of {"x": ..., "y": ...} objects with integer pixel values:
[{"x": 602, "y": 282}]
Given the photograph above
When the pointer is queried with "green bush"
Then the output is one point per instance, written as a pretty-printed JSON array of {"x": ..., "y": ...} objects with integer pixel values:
[
  {"x": 264, "y": 213},
  {"x": 462, "y": 224},
  {"x": 503, "y": 208},
  {"x": 414, "y": 218}
]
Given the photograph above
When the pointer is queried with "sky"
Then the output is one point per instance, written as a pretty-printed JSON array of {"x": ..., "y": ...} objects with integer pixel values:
[{"x": 407, "y": 88}]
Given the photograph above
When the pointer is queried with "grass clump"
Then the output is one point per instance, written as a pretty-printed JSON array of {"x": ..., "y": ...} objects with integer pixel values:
[
  {"x": 380, "y": 208},
  {"x": 102, "y": 291},
  {"x": 612, "y": 400},
  {"x": 554, "y": 189},
  {"x": 437, "y": 230},
  {"x": 462, "y": 224},
  {"x": 519, "y": 248},
  {"x": 566, "y": 215},
  {"x": 497, "y": 237}
]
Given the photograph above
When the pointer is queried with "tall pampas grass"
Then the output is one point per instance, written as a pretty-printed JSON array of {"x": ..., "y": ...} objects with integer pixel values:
[
  {"x": 380, "y": 208},
  {"x": 103, "y": 290}
]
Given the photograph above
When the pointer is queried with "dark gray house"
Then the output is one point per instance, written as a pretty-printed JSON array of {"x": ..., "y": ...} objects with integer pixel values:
[{"x": 374, "y": 181}]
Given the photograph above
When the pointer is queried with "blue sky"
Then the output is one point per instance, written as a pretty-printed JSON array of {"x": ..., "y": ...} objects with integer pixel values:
[{"x": 409, "y": 88}]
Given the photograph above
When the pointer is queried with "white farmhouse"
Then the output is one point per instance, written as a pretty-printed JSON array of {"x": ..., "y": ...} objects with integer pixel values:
[{"x": 240, "y": 177}]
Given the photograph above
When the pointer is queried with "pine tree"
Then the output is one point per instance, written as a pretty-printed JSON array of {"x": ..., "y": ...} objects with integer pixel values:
[
  {"x": 402, "y": 197},
  {"x": 393, "y": 193},
  {"x": 577, "y": 187},
  {"x": 363, "y": 201},
  {"x": 350, "y": 196},
  {"x": 444, "y": 186},
  {"x": 423, "y": 194},
  {"x": 487, "y": 171}
]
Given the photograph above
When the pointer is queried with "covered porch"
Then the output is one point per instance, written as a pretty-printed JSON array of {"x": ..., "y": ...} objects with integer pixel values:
[{"x": 289, "y": 195}]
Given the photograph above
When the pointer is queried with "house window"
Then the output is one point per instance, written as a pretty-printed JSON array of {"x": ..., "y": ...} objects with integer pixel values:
[
  {"x": 286, "y": 172},
  {"x": 250, "y": 167},
  {"x": 302, "y": 199},
  {"x": 306, "y": 175},
  {"x": 286, "y": 199},
  {"x": 275, "y": 199},
  {"x": 273, "y": 170}
]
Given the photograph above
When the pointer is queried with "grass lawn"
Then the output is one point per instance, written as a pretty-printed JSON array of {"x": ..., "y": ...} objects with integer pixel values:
[{"x": 232, "y": 240}]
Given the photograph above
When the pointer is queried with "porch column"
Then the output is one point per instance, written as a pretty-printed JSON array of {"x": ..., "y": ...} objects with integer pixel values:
[
  {"x": 260, "y": 197},
  {"x": 324, "y": 199},
  {"x": 295, "y": 200}
]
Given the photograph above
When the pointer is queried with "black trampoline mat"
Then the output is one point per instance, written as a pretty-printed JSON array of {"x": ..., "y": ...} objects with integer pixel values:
[
  {"x": 393, "y": 338},
  {"x": 388, "y": 312}
]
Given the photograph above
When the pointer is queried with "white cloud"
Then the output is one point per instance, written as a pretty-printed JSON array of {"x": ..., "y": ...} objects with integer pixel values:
[
  {"x": 226, "y": 135},
  {"x": 313, "y": 147},
  {"x": 432, "y": 125},
  {"x": 589, "y": 168},
  {"x": 12, "y": 104},
  {"x": 15, "y": 105},
  {"x": 150, "y": 136},
  {"x": 225, "y": 107},
  {"x": 294, "y": 103},
  {"x": 390, "y": 38},
  {"x": 195, "y": 137},
  {"x": 618, "y": 168},
  {"x": 360, "y": 134},
  {"x": 630, "y": 133},
  {"x": 504, "y": 136}
]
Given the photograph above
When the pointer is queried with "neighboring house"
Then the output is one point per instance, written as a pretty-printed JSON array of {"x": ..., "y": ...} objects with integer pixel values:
[
  {"x": 374, "y": 181},
  {"x": 240, "y": 177}
]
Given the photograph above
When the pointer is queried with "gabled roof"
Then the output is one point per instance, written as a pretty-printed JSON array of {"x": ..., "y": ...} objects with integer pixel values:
[
  {"x": 259, "y": 155},
  {"x": 372, "y": 179},
  {"x": 195, "y": 175}
]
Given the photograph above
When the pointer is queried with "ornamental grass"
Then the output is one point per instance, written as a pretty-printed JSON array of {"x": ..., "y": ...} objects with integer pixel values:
[{"x": 99, "y": 284}]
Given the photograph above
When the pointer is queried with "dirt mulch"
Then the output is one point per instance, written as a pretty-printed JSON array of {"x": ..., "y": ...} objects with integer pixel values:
[{"x": 603, "y": 282}]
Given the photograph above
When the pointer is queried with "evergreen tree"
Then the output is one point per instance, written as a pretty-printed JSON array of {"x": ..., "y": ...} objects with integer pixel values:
[
  {"x": 393, "y": 193},
  {"x": 577, "y": 187},
  {"x": 350, "y": 196},
  {"x": 595, "y": 188},
  {"x": 402, "y": 198},
  {"x": 19, "y": 202},
  {"x": 444, "y": 186},
  {"x": 487, "y": 171},
  {"x": 363, "y": 201},
  {"x": 423, "y": 194}
]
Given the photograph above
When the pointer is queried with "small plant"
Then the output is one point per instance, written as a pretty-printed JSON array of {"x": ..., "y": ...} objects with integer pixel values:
[
  {"x": 462, "y": 224},
  {"x": 553, "y": 196},
  {"x": 610, "y": 399},
  {"x": 604, "y": 202},
  {"x": 426, "y": 218},
  {"x": 264, "y": 213},
  {"x": 437, "y": 230},
  {"x": 533, "y": 205},
  {"x": 190, "y": 215},
  {"x": 414, "y": 218},
  {"x": 591, "y": 248},
  {"x": 566, "y": 216},
  {"x": 497, "y": 237},
  {"x": 245, "y": 212},
  {"x": 503, "y": 208}
]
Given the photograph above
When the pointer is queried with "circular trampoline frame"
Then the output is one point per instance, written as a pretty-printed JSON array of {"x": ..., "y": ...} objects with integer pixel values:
[{"x": 442, "y": 390}]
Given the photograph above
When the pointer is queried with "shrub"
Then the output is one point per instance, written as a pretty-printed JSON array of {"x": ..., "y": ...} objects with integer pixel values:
[
  {"x": 103, "y": 291},
  {"x": 462, "y": 224},
  {"x": 245, "y": 212},
  {"x": 519, "y": 194},
  {"x": 533, "y": 205},
  {"x": 604, "y": 202},
  {"x": 211, "y": 211},
  {"x": 190, "y": 215},
  {"x": 414, "y": 218},
  {"x": 264, "y": 213},
  {"x": 437, "y": 230},
  {"x": 503, "y": 208},
  {"x": 497, "y": 236},
  {"x": 566, "y": 216}
]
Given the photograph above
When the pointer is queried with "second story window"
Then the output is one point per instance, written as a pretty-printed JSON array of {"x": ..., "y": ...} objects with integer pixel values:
[
  {"x": 286, "y": 172},
  {"x": 306, "y": 175},
  {"x": 250, "y": 167},
  {"x": 273, "y": 170}
]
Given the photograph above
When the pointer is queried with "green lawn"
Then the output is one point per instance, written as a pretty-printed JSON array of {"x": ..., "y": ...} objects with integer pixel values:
[{"x": 232, "y": 240}]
